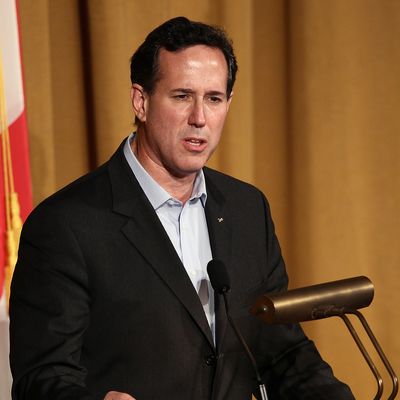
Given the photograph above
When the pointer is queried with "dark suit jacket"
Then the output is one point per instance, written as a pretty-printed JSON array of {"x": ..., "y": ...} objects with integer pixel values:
[{"x": 101, "y": 301}]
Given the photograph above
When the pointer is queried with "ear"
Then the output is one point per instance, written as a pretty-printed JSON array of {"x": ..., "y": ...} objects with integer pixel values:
[{"x": 139, "y": 102}]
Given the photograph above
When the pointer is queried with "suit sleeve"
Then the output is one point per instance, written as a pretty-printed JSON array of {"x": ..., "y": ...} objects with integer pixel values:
[
  {"x": 293, "y": 368},
  {"x": 49, "y": 311}
]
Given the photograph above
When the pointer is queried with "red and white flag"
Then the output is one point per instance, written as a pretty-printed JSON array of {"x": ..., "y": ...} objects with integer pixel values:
[{"x": 15, "y": 184}]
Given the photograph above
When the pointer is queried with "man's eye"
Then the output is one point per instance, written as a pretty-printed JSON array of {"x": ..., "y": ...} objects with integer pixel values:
[
  {"x": 181, "y": 96},
  {"x": 215, "y": 99}
]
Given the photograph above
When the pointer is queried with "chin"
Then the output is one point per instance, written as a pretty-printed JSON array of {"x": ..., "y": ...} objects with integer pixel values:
[
  {"x": 187, "y": 170},
  {"x": 192, "y": 166}
]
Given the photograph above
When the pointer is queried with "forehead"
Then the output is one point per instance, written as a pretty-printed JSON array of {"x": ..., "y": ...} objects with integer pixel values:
[{"x": 194, "y": 62}]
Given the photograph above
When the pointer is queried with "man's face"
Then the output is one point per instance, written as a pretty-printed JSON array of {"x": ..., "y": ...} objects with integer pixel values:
[{"x": 182, "y": 120}]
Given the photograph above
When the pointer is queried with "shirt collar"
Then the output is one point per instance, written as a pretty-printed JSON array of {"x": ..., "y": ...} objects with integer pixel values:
[{"x": 156, "y": 194}]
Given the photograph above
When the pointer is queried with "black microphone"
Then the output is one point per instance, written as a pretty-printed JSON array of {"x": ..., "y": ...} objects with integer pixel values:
[
  {"x": 219, "y": 277},
  {"x": 220, "y": 282}
]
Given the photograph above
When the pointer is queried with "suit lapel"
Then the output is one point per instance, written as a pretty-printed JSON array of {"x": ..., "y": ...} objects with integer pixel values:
[
  {"x": 220, "y": 233},
  {"x": 145, "y": 231}
]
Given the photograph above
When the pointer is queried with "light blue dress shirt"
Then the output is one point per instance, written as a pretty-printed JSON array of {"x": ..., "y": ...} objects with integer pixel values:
[{"x": 186, "y": 227}]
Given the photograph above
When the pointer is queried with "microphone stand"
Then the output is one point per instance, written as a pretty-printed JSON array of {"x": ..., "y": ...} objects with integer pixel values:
[
  {"x": 260, "y": 383},
  {"x": 219, "y": 279}
]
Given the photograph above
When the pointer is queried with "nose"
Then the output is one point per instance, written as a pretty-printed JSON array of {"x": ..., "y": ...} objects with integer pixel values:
[{"x": 197, "y": 116}]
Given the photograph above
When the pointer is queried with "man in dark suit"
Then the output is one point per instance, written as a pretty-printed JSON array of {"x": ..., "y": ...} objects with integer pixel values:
[{"x": 110, "y": 297}]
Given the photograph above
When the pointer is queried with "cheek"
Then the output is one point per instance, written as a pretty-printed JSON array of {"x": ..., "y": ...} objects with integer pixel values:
[
  {"x": 158, "y": 125},
  {"x": 169, "y": 121},
  {"x": 214, "y": 138},
  {"x": 217, "y": 123}
]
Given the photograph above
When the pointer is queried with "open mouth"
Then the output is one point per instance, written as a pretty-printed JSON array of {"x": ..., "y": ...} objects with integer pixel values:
[{"x": 195, "y": 142}]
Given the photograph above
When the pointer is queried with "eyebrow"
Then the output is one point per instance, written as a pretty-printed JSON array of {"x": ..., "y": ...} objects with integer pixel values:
[{"x": 190, "y": 91}]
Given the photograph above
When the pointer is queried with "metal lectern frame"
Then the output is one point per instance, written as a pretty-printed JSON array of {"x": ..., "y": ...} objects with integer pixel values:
[{"x": 337, "y": 298}]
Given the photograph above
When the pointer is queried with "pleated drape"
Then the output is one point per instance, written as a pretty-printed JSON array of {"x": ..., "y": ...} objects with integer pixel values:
[{"x": 314, "y": 123}]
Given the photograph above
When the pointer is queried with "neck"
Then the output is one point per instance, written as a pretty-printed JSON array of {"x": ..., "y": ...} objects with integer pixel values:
[{"x": 179, "y": 187}]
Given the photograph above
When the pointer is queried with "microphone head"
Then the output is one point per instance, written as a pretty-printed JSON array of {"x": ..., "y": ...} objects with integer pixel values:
[{"x": 219, "y": 277}]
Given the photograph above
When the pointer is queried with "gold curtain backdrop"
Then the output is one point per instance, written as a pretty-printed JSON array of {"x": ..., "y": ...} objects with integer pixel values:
[{"x": 314, "y": 123}]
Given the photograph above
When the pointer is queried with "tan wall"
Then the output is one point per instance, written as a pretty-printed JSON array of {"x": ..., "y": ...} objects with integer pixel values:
[{"x": 314, "y": 123}]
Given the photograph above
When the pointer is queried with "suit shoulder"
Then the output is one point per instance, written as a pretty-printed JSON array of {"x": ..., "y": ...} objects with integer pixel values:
[
  {"x": 76, "y": 198},
  {"x": 229, "y": 184},
  {"x": 81, "y": 188}
]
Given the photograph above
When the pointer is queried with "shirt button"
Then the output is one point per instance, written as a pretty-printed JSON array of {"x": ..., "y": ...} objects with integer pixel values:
[{"x": 211, "y": 360}]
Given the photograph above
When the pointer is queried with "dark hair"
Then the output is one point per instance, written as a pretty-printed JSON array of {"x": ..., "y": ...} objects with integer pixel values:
[{"x": 177, "y": 34}]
